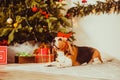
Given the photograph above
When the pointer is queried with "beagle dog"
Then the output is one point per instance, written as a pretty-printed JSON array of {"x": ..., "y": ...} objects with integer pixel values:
[{"x": 74, "y": 55}]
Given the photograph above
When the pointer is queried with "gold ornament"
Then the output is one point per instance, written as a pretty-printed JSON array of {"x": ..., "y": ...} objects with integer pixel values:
[{"x": 15, "y": 25}]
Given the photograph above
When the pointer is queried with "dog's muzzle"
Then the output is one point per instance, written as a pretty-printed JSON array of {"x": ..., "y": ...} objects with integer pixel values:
[{"x": 53, "y": 44}]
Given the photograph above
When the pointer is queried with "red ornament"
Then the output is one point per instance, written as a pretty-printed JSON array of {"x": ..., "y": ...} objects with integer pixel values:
[
  {"x": 84, "y": 1},
  {"x": 47, "y": 15},
  {"x": 60, "y": 0},
  {"x": 34, "y": 9},
  {"x": 68, "y": 15},
  {"x": 3, "y": 43},
  {"x": 44, "y": 13}
]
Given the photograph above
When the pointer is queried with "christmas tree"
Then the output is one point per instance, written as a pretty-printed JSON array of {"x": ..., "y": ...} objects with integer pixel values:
[
  {"x": 26, "y": 20},
  {"x": 41, "y": 20}
]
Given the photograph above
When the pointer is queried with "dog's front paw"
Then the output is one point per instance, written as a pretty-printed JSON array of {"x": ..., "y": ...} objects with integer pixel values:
[
  {"x": 49, "y": 64},
  {"x": 59, "y": 65}
]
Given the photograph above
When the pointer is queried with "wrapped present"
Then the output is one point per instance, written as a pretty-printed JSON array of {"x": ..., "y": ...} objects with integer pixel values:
[
  {"x": 44, "y": 58},
  {"x": 3, "y": 54},
  {"x": 43, "y": 51},
  {"x": 24, "y": 59}
]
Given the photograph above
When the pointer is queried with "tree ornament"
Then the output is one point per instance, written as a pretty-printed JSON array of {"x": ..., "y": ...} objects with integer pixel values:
[
  {"x": 44, "y": 13},
  {"x": 84, "y": 1},
  {"x": 3, "y": 43},
  {"x": 68, "y": 15},
  {"x": 47, "y": 15},
  {"x": 9, "y": 20},
  {"x": 34, "y": 9},
  {"x": 60, "y": 0},
  {"x": 15, "y": 25}
]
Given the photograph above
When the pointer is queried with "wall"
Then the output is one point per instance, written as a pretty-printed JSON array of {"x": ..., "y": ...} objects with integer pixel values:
[{"x": 99, "y": 31}]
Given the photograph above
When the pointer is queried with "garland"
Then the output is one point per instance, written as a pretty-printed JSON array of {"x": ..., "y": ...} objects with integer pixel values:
[{"x": 110, "y": 6}]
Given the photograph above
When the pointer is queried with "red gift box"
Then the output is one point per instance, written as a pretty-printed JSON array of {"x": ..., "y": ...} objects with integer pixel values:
[
  {"x": 3, "y": 54},
  {"x": 43, "y": 51},
  {"x": 44, "y": 58}
]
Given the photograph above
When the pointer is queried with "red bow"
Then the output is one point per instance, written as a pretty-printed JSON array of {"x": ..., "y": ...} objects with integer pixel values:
[{"x": 68, "y": 35}]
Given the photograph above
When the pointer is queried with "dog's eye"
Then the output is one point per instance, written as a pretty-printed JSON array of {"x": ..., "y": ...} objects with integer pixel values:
[{"x": 59, "y": 39}]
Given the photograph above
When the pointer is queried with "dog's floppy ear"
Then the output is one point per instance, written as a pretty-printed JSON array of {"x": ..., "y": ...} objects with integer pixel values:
[
  {"x": 66, "y": 47},
  {"x": 70, "y": 48}
]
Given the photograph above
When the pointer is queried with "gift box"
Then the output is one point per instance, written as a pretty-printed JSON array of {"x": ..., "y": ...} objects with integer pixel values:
[
  {"x": 24, "y": 59},
  {"x": 3, "y": 54},
  {"x": 44, "y": 58},
  {"x": 43, "y": 51}
]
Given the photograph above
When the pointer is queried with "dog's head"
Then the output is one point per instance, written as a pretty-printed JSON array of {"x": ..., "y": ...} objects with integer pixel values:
[{"x": 60, "y": 43}]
